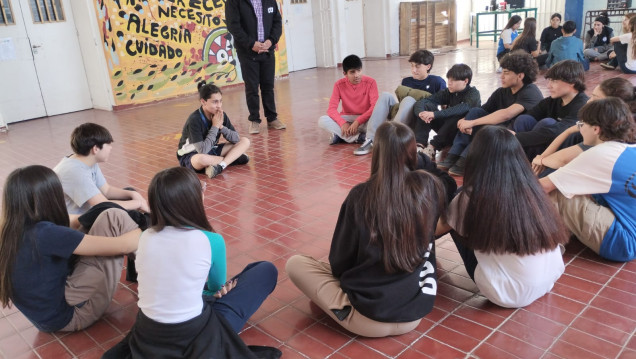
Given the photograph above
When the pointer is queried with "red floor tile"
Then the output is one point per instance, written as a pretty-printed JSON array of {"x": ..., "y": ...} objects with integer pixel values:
[
  {"x": 514, "y": 345},
  {"x": 436, "y": 349}
]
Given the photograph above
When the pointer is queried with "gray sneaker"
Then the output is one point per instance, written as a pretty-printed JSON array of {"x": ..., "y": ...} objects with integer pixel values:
[
  {"x": 254, "y": 128},
  {"x": 458, "y": 168},
  {"x": 448, "y": 162},
  {"x": 366, "y": 147},
  {"x": 213, "y": 171}
]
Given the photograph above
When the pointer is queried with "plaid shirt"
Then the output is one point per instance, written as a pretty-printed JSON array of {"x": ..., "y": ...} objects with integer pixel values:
[{"x": 258, "y": 10}]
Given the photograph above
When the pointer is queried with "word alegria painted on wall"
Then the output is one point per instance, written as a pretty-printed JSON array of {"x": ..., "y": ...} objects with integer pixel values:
[{"x": 161, "y": 49}]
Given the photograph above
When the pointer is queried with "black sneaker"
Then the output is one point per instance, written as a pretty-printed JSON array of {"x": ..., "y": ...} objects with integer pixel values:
[
  {"x": 448, "y": 162},
  {"x": 335, "y": 139},
  {"x": 213, "y": 171},
  {"x": 361, "y": 138},
  {"x": 242, "y": 160},
  {"x": 607, "y": 66},
  {"x": 458, "y": 168}
]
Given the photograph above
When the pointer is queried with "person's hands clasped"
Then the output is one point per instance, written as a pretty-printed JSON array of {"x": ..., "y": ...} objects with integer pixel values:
[
  {"x": 217, "y": 119},
  {"x": 226, "y": 288},
  {"x": 465, "y": 126},
  {"x": 426, "y": 116},
  {"x": 261, "y": 47},
  {"x": 353, "y": 129}
]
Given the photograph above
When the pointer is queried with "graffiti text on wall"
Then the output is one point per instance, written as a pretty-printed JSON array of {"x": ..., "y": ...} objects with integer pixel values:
[{"x": 161, "y": 49}]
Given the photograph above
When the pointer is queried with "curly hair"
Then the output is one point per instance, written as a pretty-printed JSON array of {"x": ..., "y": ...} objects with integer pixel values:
[{"x": 521, "y": 62}]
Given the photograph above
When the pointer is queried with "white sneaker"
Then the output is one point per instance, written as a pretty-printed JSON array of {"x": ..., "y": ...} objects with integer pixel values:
[
  {"x": 366, "y": 147},
  {"x": 429, "y": 151}
]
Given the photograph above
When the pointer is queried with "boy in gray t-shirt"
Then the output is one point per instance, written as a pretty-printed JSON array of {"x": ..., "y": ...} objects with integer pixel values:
[{"x": 82, "y": 180}]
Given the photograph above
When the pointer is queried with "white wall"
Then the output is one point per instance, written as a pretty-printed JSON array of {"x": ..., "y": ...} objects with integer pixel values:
[
  {"x": 92, "y": 54},
  {"x": 376, "y": 29}
]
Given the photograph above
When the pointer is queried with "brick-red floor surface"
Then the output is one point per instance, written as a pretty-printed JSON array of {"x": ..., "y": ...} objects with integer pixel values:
[{"x": 286, "y": 200}]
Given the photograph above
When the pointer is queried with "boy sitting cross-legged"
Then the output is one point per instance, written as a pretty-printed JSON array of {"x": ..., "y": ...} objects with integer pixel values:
[
  {"x": 200, "y": 146},
  {"x": 441, "y": 111},
  {"x": 517, "y": 94},
  {"x": 358, "y": 94},
  {"x": 412, "y": 88}
]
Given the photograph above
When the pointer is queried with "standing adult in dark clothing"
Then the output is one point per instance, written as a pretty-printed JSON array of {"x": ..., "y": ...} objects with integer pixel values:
[{"x": 256, "y": 26}]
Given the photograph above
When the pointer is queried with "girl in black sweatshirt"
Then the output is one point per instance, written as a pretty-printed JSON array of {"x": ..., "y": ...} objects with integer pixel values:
[{"x": 381, "y": 276}]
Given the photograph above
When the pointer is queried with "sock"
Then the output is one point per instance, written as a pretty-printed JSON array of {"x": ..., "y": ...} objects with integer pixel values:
[{"x": 223, "y": 164}]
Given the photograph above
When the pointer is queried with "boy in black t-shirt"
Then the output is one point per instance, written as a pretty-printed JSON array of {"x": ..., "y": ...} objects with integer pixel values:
[
  {"x": 554, "y": 114},
  {"x": 516, "y": 95}
]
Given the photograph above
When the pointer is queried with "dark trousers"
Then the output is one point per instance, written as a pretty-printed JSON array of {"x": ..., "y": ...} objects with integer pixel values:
[
  {"x": 541, "y": 59},
  {"x": 461, "y": 142},
  {"x": 446, "y": 129},
  {"x": 254, "y": 284},
  {"x": 467, "y": 254},
  {"x": 621, "y": 57},
  {"x": 258, "y": 71}
]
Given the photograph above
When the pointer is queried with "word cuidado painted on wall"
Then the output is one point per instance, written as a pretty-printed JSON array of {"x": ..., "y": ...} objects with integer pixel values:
[{"x": 163, "y": 48}]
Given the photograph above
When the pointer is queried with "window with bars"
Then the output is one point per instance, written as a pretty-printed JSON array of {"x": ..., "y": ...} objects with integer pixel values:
[
  {"x": 298, "y": 1},
  {"x": 6, "y": 14},
  {"x": 46, "y": 11}
]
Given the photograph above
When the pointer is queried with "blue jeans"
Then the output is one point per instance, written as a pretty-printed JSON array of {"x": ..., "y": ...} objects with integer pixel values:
[
  {"x": 254, "y": 284},
  {"x": 621, "y": 57},
  {"x": 461, "y": 143},
  {"x": 525, "y": 123}
]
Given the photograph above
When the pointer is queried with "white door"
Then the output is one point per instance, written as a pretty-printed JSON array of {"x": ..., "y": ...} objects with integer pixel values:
[
  {"x": 354, "y": 28},
  {"x": 47, "y": 76},
  {"x": 299, "y": 32},
  {"x": 20, "y": 96}
]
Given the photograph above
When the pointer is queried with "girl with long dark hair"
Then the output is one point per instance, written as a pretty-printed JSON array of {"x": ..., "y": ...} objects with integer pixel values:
[
  {"x": 508, "y": 35},
  {"x": 505, "y": 228},
  {"x": 59, "y": 278},
  {"x": 381, "y": 275},
  {"x": 185, "y": 301},
  {"x": 527, "y": 41}
]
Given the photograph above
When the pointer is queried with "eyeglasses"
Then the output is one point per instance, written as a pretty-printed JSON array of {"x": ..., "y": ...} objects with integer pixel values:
[
  {"x": 579, "y": 124},
  {"x": 204, "y": 185}
]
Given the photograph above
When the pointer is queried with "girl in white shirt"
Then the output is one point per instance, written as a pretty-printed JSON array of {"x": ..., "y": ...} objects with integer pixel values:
[{"x": 505, "y": 228}]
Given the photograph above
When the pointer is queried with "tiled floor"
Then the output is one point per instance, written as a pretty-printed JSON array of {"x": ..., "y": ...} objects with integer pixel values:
[{"x": 286, "y": 201}]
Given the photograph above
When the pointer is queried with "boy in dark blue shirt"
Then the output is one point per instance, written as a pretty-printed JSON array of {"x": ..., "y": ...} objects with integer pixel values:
[{"x": 421, "y": 84}]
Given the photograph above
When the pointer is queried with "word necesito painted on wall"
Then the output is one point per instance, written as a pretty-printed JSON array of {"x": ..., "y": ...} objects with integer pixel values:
[{"x": 161, "y": 49}]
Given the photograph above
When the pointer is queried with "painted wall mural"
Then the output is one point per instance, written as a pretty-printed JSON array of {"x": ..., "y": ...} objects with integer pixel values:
[{"x": 157, "y": 49}]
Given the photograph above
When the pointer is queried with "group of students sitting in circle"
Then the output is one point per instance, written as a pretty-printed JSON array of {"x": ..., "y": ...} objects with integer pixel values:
[
  {"x": 535, "y": 170},
  {"x": 558, "y": 42},
  {"x": 64, "y": 232}
]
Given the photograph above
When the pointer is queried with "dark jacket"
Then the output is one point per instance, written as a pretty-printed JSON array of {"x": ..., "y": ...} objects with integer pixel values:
[
  {"x": 242, "y": 24},
  {"x": 457, "y": 104},
  {"x": 205, "y": 336},
  {"x": 600, "y": 42}
]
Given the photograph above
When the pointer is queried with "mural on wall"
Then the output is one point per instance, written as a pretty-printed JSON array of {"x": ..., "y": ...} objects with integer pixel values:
[{"x": 157, "y": 49}]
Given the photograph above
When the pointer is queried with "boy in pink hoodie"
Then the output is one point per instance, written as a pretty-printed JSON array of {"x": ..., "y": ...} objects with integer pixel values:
[{"x": 358, "y": 94}]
